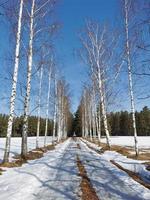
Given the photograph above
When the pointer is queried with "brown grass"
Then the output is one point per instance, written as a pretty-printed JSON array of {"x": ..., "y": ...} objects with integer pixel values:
[
  {"x": 134, "y": 175},
  {"x": 31, "y": 155},
  {"x": 126, "y": 151},
  {"x": 141, "y": 156},
  {"x": 88, "y": 192},
  {"x": 1, "y": 170}
]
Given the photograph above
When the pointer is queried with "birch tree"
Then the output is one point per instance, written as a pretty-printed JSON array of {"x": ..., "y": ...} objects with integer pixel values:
[
  {"x": 48, "y": 99},
  {"x": 94, "y": 44},
  {"x": 55, "y": 108},
  {"x": 129, "y": 64},
  {"x": 39, "y": 11},
  {"x": 39, "y": 106},
  {"x": 14, "y": 85},
  {"x": 101, "y": 54},
  {"x": 28, "y": 87},
  {"x": 62, "y": 109}
]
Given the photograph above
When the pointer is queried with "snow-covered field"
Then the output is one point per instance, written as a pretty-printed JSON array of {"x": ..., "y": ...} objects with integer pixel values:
[
  {"x": 16, "y": 145},
  {"x": 143, "y": 141}
]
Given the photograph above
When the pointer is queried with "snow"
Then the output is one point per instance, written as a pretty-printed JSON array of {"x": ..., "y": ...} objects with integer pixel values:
[
  {"x": 16, "y": 145},
  {"x": 143, "y": 141},
  {"x": 109, "y": 181},
  {"x": 53, "y": 176},
  {"x": 92, "y": 145},
  {"x": 127, "y": 163}
]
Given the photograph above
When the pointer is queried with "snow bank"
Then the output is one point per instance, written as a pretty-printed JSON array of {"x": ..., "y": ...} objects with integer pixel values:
[
  {"x": 92, "y": 145},
  {"x": 16, "y": 145},
  {"x": 127, "y": 163},
  {"x": 130, "y": 164},
  {"x": 108, "y": 180}
]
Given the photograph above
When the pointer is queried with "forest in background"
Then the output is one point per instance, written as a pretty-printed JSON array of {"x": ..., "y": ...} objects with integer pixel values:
[{"x": 120, "y": 124}]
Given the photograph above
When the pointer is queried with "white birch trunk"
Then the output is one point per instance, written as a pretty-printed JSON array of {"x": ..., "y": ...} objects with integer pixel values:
[
  {"x": 14, "y": 86},
  {"x": 47, "y": 106},
  {"x": 83, "y": 121},
  {"x": 55, "y": 111},
  {"x": 90, "y": 118},
  {"x": 86, "y": 118},
  {"x": 99, "y": 124},
  {"x": 61, "y": 117},
  {"x": 130, "y": 76},
  {"x": 27, "y": 97},
  {"x": 39, "y": 108},
  {"x": 103, "y": 107},
  {"x": 94, "y": 114}
]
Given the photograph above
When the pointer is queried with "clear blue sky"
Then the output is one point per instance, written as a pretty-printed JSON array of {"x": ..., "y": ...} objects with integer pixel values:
[{"x": 72, "y": 14}]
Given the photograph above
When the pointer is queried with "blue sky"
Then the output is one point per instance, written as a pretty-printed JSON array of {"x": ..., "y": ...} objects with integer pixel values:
[{"x": 72, "y": 14}]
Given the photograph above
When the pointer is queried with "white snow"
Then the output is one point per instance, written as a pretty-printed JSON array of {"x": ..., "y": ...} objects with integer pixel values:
[
  {"x": 55, "y": 176},
  {"x": 127, "y": 163},
  {"x": 52, "y": 177},
  {"x": 143, "y": 141},
  {"x": 109, "y": 181},
  {"x": 16, "y": 145}
]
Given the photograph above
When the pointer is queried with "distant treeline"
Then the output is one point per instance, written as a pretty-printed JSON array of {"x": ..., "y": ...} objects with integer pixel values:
[
  {"x": 120, "y": 123},
  {"x": 17, "y": 126}
]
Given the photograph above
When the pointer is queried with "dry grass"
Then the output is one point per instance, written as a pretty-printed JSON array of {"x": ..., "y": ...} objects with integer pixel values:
[
  {"x": 1, "y": 170},
  {"x": 126, "y": 151},
  {"x": 141, "y": 156},
  {"x": 31, "y": 155},
  {"x": 134, "y": 175},
  {"x": 16, "y": 163},
  {"x": 88, "y": 192}
]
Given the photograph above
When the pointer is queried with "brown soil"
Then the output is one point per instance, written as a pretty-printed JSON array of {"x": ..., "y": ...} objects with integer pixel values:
[
  {"x": 78, "y": 146},
  {"x": 88, "y": 192},
  {"x": 134, "y": 175}
]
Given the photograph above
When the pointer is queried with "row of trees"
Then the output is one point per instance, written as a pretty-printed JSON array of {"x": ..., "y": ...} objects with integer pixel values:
[
  {"x": 106, "y": 52},
  {"x": 36, "y": 82},
  {"x": 119, "y": 123},
  {"x": 32, "y": 126}
]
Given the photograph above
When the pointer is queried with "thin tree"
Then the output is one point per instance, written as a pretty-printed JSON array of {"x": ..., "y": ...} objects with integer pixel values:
[
  {"x": 39, "y": 106},
  {"x": 128, "y": 55},
  {"x": 48, "y": 99},
  {"x": 28, "y": 87},
  {"x": 55, "y": 108},
  {"x": 14, "y": 85},
  {"x": 96, "y": 45}
]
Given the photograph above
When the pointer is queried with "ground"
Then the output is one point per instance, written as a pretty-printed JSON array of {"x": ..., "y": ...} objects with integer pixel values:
[{"x": 61, "y": 174}]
